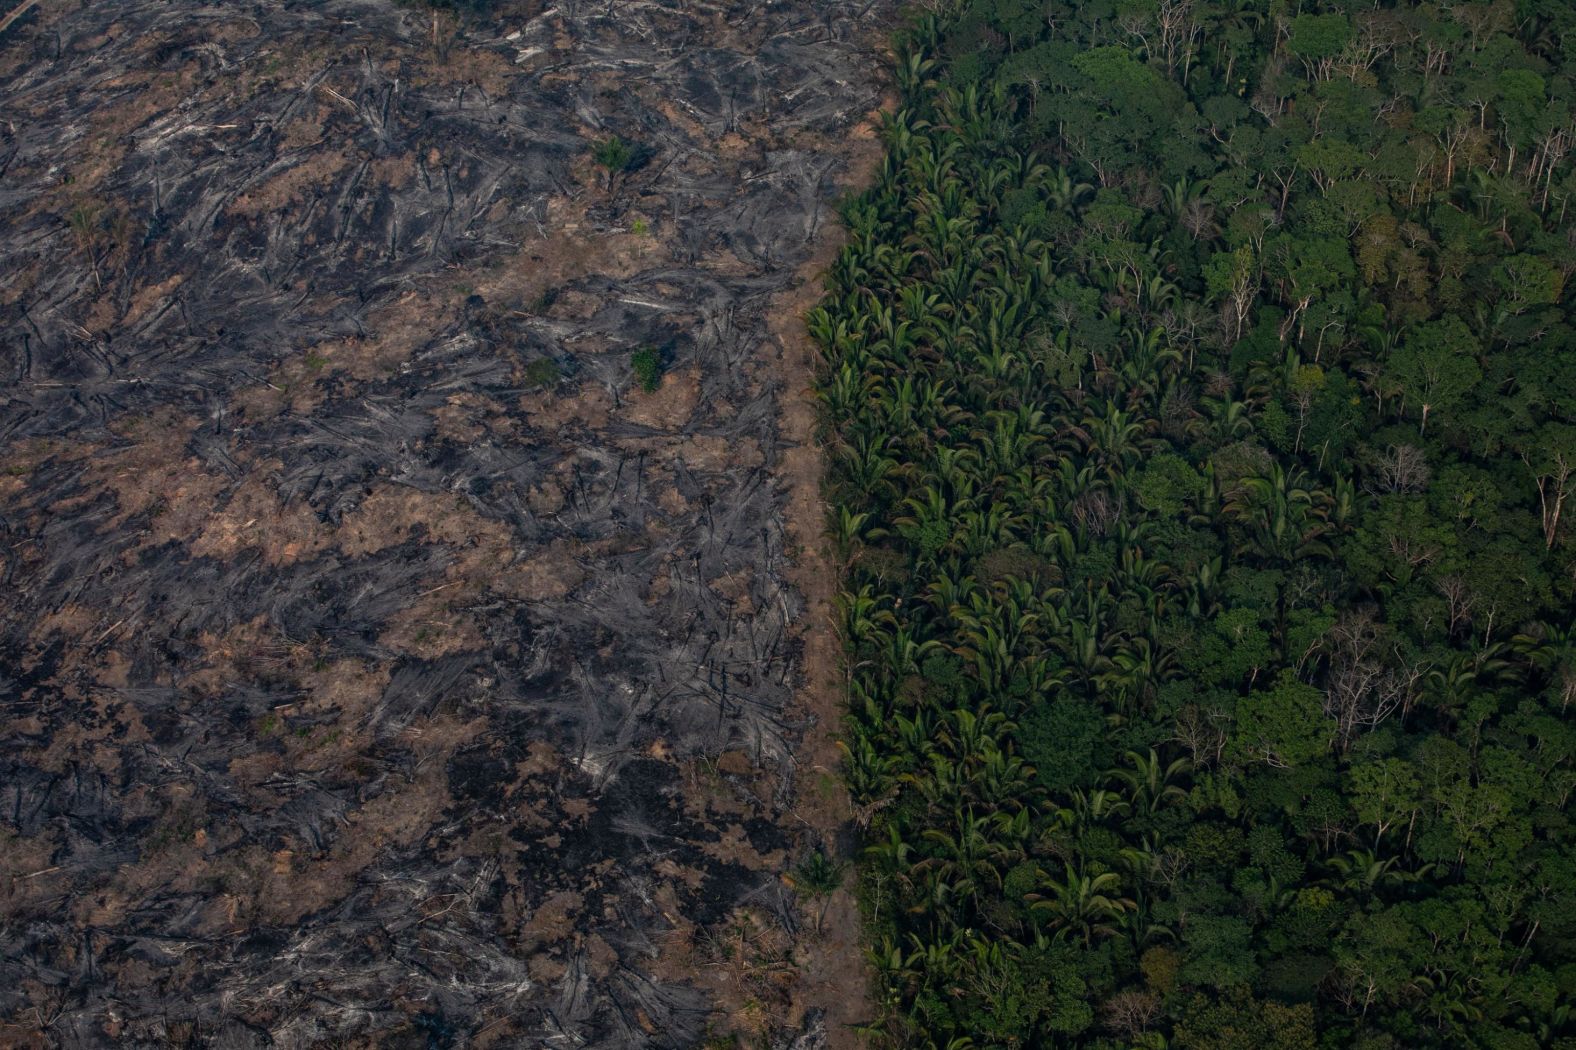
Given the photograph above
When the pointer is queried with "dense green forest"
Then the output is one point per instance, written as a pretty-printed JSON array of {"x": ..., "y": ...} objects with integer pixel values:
[{"x": 1200, "y": 388}]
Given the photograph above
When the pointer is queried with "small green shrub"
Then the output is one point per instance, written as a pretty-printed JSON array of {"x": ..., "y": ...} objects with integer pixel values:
[
  {"x": 818, "y": 877},
  {"x": 648, "y": 368},
  {"x": 618, "y": 157},
  {"x": 542, "y": 372},
  {"x": 614, "y": 154}
]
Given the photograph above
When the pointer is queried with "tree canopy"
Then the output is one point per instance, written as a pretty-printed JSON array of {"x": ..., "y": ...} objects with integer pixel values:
[{"x": 1201, "y": 396}]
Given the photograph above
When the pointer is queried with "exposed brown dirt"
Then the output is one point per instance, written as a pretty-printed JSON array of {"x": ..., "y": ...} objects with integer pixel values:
[{"x": 833, "y": 966}]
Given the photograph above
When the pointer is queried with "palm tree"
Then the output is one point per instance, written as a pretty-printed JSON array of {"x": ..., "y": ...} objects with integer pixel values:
[
  {"x": 968, "y": 857},
  {"x": 1365, "y": 871},
  {"x": 869, "y": 771},
  {"x": 862, "y": 616},
  {"x": 913, "y": 76},
  {"x": 1064, "y": 192},
  {"x": 1150, "y": 785},
  {"x": 1002, "y": 781},
  {"x": 1136, "y": 671},
  {"x": 1082, "y": 905},
  {"x": 1085, "y": 647},
  {"x": 818, "y": 877},
  {"x": 1286, "y": 520},
  {"x": 1094, "y": 807}
]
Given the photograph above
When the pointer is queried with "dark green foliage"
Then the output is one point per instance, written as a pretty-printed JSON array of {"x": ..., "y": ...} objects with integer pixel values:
[
  {"x": 817, "y": 877},
  {"x": 1202, "y": 389},
  {"x": 1065, "y": 742},
  {"x": 614, "y": 155},
  {"x": 544, "y": 371},
  {"x": 647, "y": 363},
  {"x": 617, "y": 158}
]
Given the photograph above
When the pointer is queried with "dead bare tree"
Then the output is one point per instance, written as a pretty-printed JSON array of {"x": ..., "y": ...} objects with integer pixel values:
[
  {"x": 1203, "y": 733},
  {"x": 1553, "y": 480},
  {"x": 1096, "y": 511},
  {"x": 1368, "y": 680},
  {"x": 1130, "y": 1013},
  {"x": 1459, "y": 602},
  {"x": 1402, "y": 469}
]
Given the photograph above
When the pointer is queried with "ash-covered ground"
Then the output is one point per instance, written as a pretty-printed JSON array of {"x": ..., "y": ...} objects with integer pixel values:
[{"x": 379, "y": 665}]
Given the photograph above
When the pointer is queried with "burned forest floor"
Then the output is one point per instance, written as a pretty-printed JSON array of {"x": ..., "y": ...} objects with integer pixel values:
[{"x": 380, "y": 664}]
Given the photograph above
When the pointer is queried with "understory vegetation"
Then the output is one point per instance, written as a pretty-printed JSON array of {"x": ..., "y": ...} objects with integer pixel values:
[{"x": 1200, "y": 389}]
